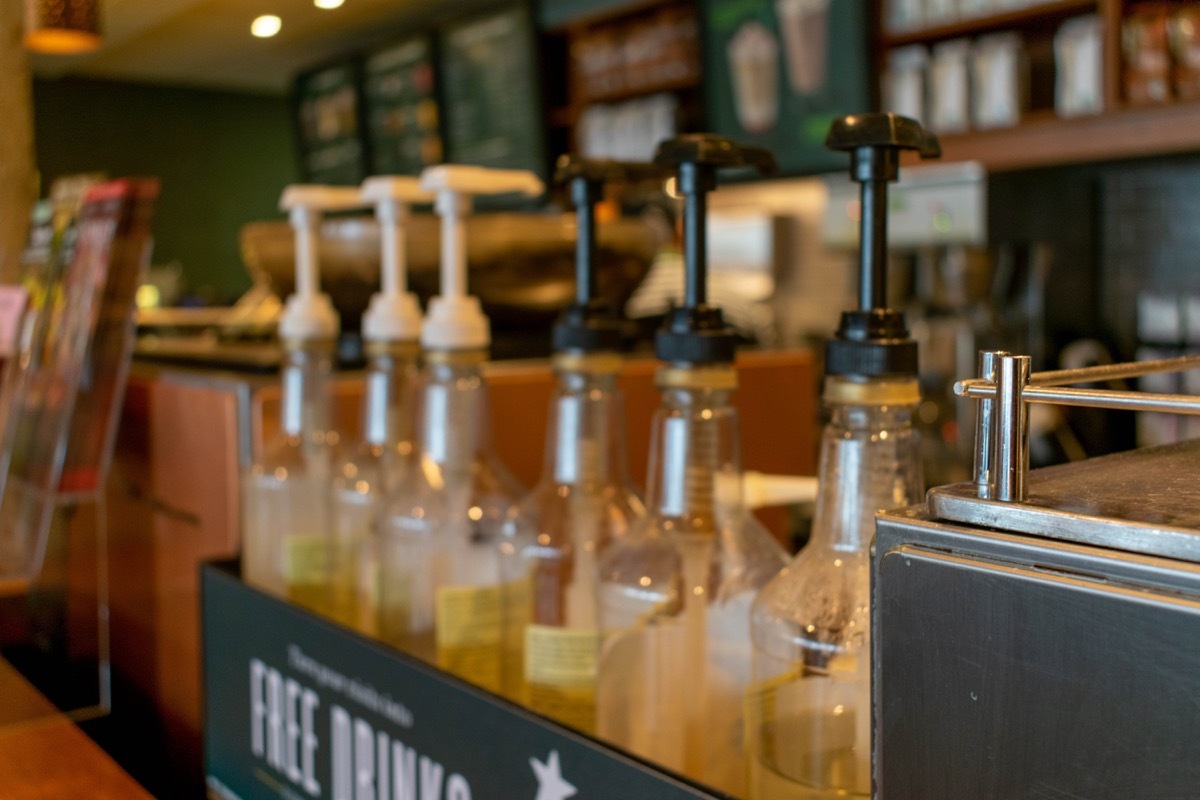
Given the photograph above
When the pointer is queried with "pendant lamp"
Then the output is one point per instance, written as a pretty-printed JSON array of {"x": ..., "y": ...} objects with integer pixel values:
[{"x": 62, "y": 27}]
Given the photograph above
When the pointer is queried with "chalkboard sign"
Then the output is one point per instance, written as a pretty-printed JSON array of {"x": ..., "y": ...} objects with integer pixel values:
[
  {"x": 329, "y": 112},
  {"x": 779, "y": 71},
  {"x": 403, "y": 125},
  {"x": 492, "y": 98}
]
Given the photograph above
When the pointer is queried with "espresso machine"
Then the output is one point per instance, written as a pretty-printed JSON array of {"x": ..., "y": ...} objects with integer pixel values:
[{"x": 1036, "y": 634}]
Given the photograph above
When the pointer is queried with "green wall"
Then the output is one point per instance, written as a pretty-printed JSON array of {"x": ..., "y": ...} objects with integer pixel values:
[{"x": 222, "y": 157}]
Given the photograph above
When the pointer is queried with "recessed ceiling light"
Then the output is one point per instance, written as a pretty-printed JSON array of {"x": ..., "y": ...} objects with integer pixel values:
[
  {"x": 328, "y": 3},
  {"x": 266, "y": 26}
]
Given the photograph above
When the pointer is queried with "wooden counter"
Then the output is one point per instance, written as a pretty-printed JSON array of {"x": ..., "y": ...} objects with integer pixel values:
[{"x": 45, "y": 756}]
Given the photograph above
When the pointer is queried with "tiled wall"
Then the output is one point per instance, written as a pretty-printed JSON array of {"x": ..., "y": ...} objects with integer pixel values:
[
  {"x": 1126, "y": 238},
  {"x": 1151, "y": 249}
]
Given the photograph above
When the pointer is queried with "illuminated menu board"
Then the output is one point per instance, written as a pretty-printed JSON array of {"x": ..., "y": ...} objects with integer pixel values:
[
  {"x": 329, "y": 118},
  {"x": 493, "y": 109},
  {"x": 403, "y": 117}
]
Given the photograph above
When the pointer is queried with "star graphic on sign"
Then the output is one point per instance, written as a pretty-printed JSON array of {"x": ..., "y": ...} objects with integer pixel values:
[{"x": 551, "y": 784}]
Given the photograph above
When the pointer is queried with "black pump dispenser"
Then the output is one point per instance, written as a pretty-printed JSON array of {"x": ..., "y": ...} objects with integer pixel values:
[
  {"x": 696, "y": 333},
  {"x": 590, "y": 324},
  {"x": 874, "y": 340}
]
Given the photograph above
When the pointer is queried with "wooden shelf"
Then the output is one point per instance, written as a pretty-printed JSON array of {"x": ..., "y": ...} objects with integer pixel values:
[
  {"x": 1039, "y": 16},
  {"x": 1047, "y": 140},
  {"x": 634, "y": 93}
]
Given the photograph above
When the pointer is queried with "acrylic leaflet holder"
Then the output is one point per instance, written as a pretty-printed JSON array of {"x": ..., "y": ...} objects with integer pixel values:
[{"x": 59, "y": 405}]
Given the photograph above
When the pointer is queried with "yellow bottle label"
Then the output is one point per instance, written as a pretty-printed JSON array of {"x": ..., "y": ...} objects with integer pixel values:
[
  {"x": 305, "y": 571},
  {"x": 804, "y": 737},
  {"x": 305, "y": 560},
  {"x": 560, "y": 674},
  {"x": 518, "y": 610},
  {"x": 469, "y": 629},
  {"x": 472, "y": 641},
  {"x": 760, "y": 704}
]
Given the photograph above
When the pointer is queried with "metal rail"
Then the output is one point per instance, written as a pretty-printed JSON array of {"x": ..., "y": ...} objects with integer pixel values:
[
  {"x": 1006, "y": 387},
  {"x": 1112, "y": 372},
  {"x": 1090, "y": 398}
]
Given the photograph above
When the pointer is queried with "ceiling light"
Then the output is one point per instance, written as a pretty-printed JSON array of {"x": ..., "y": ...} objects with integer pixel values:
[
  {"x": 62, "y": 27},
  {"x": 328, "y": 3},
  {"x": 266, "y": 26}
]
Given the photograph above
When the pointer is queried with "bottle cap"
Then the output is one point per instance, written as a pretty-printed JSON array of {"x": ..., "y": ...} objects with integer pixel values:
[{"x": 455, "y": 320}]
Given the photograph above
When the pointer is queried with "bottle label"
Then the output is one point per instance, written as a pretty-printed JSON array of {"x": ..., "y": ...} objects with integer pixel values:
[
  {"x": 805, "y": 727},
  {"x": 306, "y": 560},
  {"x": 560, "y": 674},
  {"x": 518, "y": 611},
  {"x": 761, "y": 703},
  {"x": 306, "y": 571},
  {"x": 471, "y": 630}
]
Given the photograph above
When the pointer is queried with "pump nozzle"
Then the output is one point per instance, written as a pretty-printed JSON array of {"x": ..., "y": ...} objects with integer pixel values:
[
  {"x": 697, "y": 333},
  {"x": 309, "y": 313},
  {"x": 589, "y": 324},
  {"x": 393, "y": 314},
  {"x": 455, "y": 320},
  {"x": 874, "y": 341}
]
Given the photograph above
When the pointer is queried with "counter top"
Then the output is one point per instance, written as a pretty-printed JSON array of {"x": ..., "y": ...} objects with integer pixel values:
[{"x": 44, "y": 754}]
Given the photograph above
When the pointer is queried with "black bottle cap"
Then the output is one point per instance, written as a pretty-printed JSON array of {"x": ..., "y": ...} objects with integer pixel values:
[
  {"x": 696, "y": 335},
  {"x": 592, "y": 327},
  {"x": 873, "y": 343}
]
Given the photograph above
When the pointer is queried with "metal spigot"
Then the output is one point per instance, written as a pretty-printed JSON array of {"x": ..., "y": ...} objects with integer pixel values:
[
  {"x": 1006, "y": 387},
  {"x": 874, "y": 340},
  {"x": 697, "y": 333},
  {"x": 589, "y": 324},
  {"x": 874, "y": 142}
]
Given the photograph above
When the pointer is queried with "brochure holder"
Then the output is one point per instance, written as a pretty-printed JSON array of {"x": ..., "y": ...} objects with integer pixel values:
[{"x": 60, "y": 400}]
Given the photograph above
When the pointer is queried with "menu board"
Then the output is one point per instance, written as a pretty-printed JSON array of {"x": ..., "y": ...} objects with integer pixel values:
[
  {"x": 403, "y": 127},
  {"x": 331, "y": 145},
  {"x": 490, "y": 87},
  {"x": 780, "y": 71}
]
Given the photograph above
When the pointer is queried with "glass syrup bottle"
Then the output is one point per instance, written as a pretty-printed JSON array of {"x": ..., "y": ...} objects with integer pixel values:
[
  {"x": 584, "y": 499},
  {"x": 362, "y": 477},
  {"x": 286, "y": 522},
  {"x": 675, "y": 592},
  {"x": 809, "y": 709},
  {"x": 441, "y": 595}
]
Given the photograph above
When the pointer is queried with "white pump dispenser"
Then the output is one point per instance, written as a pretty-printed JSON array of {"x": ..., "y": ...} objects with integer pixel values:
[
  {"x": 455, "y": 320},
  {"x": 309, "y": 313},
  {"x": 393, "y": 313}
]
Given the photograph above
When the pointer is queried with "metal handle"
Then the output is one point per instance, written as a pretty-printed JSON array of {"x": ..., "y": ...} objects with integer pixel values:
[
  {"x": 716, "y": 151},
  {"x": 1005, "y": 387}
]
